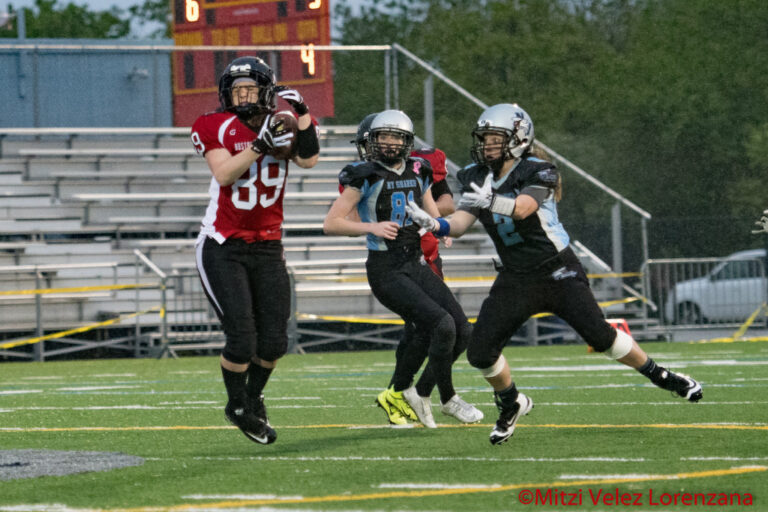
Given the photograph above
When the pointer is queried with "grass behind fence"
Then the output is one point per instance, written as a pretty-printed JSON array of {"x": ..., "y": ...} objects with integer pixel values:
[{"x": 593, "y": 419}]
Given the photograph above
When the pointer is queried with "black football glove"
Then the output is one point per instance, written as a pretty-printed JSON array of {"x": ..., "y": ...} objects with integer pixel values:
[
  {"x": 264, "y": 143},
  {"x": 293, "y": 98}
]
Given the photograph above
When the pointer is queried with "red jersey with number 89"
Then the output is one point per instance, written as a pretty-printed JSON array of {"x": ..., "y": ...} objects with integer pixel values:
[{"x": 252, "y": 207}]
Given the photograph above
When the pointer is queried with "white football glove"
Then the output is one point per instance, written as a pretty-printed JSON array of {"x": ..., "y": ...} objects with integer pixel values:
[
  {"x": 485, "y": 199},
  {"x": 482, "y": 197},
  {"x": 763, "y": 223},
  {"x": 294, "y": 99},
  {"x": 420, "y": 217}
]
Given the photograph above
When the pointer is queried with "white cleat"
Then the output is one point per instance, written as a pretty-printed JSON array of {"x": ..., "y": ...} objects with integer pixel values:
[
  {"x": 461, "y": 410},
  {"x": 421, "y": 406}
]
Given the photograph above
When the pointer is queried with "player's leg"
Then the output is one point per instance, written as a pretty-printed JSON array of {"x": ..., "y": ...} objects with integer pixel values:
[
  {"x": 272, "y": 308},
  {"x": 451, "y": 403},
  {"x": 225, "y": 281},
  {"x": 397, "y": 289},
  {"x": 505, "y": 309},
  {"x": 573, "y": 301}
]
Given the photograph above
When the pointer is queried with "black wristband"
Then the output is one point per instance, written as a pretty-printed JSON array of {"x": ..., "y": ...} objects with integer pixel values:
[
  {"x": 307, "y": 144},
  {"x": 300, "y": 108}
]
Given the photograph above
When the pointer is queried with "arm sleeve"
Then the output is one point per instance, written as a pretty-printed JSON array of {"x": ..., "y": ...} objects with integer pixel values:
[
  {"x": 540, "y": 184},
  {"x": 204, "y": 136},
  {"x": 440, "y": 188}
]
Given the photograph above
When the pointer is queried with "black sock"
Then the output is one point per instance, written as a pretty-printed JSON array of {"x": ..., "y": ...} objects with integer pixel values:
[
  {"x": 653, "y": 371},
  {"x": 507, "y": 397},
  {"x": 257, "y": 379},
  {"x": 235, "y": 384}
]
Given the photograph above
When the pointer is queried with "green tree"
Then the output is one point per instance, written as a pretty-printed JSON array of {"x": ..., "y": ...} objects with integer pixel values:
[
  {"x": 48, "y": 19},
  {"x": 663, "y": 100},
  {"x": 156, "y": 13}
]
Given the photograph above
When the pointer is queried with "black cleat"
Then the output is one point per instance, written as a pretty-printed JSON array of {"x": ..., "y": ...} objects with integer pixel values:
[
  {"x": 505, "y": 425},
  {"x": 253, "y": 427},
  {"x": 258, "y": 408},
  {"x": 680, "y": 385}
]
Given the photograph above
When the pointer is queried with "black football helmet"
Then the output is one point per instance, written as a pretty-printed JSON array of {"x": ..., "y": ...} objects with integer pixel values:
[
  {"x": 258, "y": 71},
  {"x": 395, "y": 122},
  {"x": 361, "y": 139}
]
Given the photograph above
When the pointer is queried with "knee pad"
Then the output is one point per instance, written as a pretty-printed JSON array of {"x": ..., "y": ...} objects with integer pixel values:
[
  {"x": 235, "y": 356},
  {"x": 495, "y": 368},
  {"x": 273, "y": 348},
  {"x": 443, "y": 338},
  {"x": 622, "y": 345}
]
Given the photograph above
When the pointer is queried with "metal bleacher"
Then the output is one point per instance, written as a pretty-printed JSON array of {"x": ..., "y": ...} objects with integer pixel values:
[{"x": 78, "y": 206}]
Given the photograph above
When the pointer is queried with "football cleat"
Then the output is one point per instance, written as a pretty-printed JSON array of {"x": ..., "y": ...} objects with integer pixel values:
[
  {"x": 258, "y": 408},
  {"x": 421, "y": 405},
  {"x": 393, "y": 415},
  {"x": 253, "y": 427},
  {"x": 461, "y": 410},
  {"x": 508, "y": 416},
  {"x": 680, "y": 385}
]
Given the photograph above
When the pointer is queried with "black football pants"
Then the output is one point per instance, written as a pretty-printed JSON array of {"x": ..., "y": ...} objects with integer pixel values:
[{"x": 248, "y": 286}]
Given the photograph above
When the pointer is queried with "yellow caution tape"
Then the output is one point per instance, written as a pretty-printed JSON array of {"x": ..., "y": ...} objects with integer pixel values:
[
  {"x": 615, "y": 274},
  {"x": 78, "y": 330},
  {"x": 77, "y": 289},
  {"x": 398, "y": 321},
  {"x": 361, "y": 279},
  {"x": 738, "y": 335}
]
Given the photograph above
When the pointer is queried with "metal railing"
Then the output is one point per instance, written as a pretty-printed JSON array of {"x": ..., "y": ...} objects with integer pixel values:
[{"x": 699, "y": 293}]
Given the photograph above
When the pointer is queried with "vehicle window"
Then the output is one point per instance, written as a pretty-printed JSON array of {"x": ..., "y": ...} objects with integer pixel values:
[{"x": 738, "y": 270}]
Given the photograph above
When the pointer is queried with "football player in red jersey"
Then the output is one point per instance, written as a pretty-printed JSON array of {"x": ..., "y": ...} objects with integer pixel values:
[{"x": 239, "y": 251}]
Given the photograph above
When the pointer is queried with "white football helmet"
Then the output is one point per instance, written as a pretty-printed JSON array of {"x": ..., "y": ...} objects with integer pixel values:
[
  {"x": 394, "y": 122},
  {"x": 509, "y": 121}
]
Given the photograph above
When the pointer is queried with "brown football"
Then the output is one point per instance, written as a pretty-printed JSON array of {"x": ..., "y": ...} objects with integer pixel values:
[{"x": 281, "y": 123}]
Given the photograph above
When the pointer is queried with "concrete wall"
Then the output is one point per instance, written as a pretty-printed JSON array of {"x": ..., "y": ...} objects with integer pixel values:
[{"x": 77, "y": 87}]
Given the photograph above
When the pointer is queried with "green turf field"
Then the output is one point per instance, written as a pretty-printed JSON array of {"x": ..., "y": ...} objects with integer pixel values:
[{"x": 597, "y": 427}]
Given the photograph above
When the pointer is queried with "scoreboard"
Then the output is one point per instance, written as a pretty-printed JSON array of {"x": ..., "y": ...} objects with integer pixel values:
[{"x": 265, "y": 23}]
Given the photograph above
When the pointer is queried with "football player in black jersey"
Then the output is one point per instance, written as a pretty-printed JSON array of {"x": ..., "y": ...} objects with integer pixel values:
[
  {"x": 379, "y": 189},
  {"x": 414, "y": 344},
  {"x": 513, "y": 193}
]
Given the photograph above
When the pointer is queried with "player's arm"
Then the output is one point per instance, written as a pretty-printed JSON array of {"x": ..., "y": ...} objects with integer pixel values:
[
  {"x": 525, "y": 205},
  {"x": 455, "y": 226},
  {"x": 430, "y": 206},
  {"x": 227, "y": 168},
  {"x": 307, "y": 143},
  {"x": 337, "y": 221},
  {"x": 443, "y": 197}
]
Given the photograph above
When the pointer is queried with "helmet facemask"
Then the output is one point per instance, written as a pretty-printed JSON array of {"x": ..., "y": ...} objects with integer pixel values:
[
  {"x": 391, "y": 151},
  {"x": 492, "y": 154}
]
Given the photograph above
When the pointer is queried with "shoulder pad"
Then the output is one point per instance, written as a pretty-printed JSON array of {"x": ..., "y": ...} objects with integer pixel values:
[
  {"x": 536, "y": 171},
  {"x": 420, "y": 166},
  {"x": 354, "y": 173},
  {"x": 472, "y": 173}
]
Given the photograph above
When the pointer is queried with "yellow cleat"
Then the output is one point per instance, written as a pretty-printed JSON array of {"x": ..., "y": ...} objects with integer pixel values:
[
  {"x": 393, "y": 415},
  {"x": 397, "y": 401}
]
